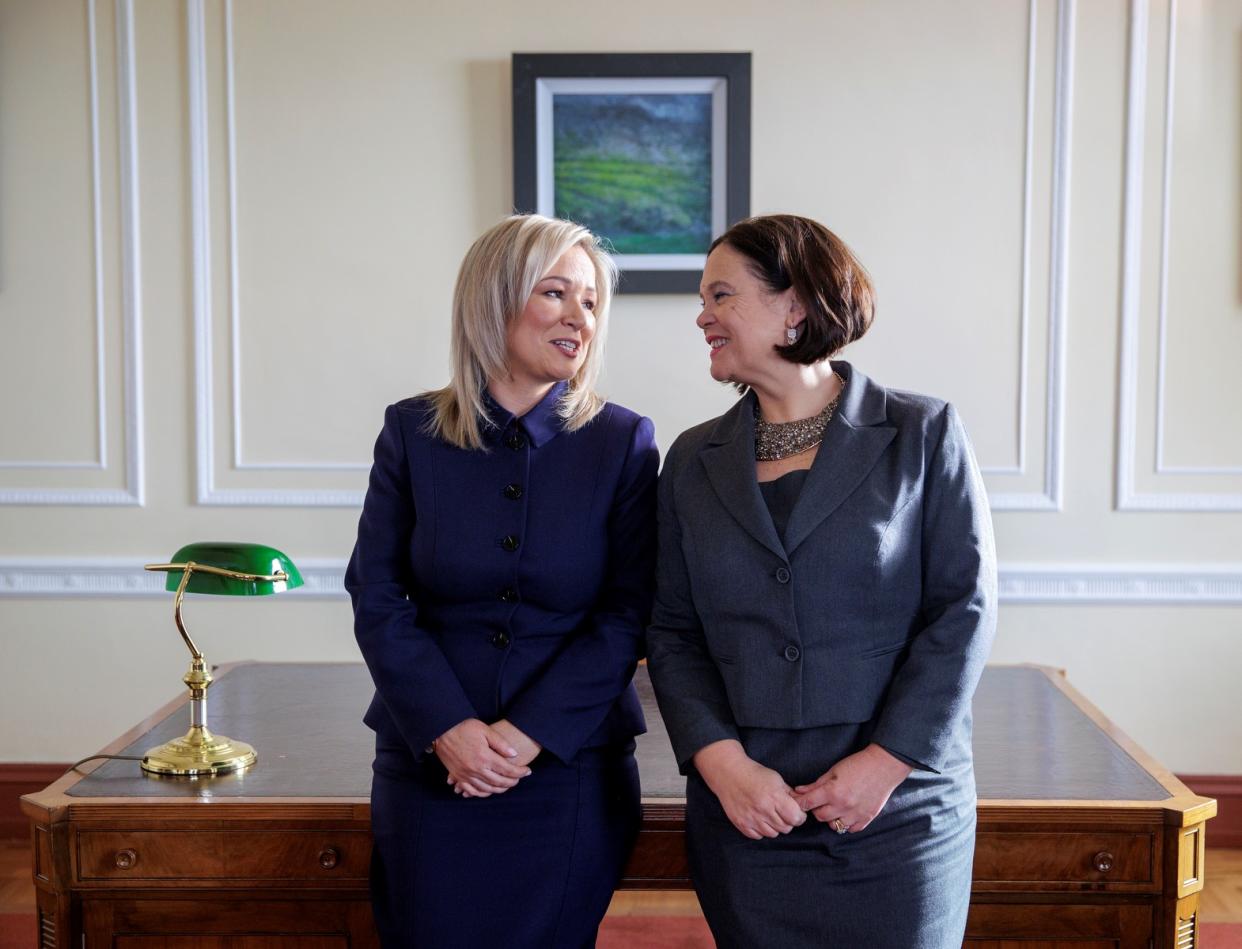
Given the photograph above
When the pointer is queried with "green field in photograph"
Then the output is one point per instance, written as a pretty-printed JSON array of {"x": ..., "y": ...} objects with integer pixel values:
[
  {"x": 641, "y": 207},
  {"x": 636, "y": 169}
]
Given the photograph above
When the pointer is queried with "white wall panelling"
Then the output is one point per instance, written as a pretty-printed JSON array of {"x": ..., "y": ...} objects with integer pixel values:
[
  {"x": 1024, "y": 314},
  {"x": 101, "y": 362},
  {"x": 1128, "y": 495},
  {"x": 281, "y": 493},
  {"x": 200, "y": 175},
  {"x": 1024, "y": 305},
  {"x": 1051, "y": 496},
  {"x": 323, "y": 166},
  {"x": 130, "y": 282}
]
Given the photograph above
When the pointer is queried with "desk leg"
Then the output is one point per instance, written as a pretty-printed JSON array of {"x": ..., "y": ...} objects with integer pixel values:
[
  {"x": 1184, "y": 851},
  {"x": 52, "y": 915},
  {"x": 50, "y": 871}
]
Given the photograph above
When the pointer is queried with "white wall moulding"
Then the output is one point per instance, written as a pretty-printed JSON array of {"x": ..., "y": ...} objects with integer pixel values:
[
  {"x": 209, "y": 491},
  {"x": 130, "y": 285},
  {"x": 64, "y": 578},
  {"x": 1024, "y": 306},
  {"x": 1144, "y": 340},
  {"x": 1053, "y": 584},
  {"x": 1122, "y": 584},
  {"x": 1049, "y": 497}
]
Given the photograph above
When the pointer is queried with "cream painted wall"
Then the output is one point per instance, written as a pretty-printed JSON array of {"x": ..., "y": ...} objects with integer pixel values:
[{"x": 210, "y": 290}]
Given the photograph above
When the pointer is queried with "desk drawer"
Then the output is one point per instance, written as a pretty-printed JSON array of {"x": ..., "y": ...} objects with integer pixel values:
[
  {"x": 236, "y": 856},
  {"x": 1097, "y": 858}
]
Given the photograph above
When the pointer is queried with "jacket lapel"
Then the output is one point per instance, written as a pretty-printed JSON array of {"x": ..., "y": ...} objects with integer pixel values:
[
  {"x": 729, "y": 458},
  {"x": 853, "y": 443}
]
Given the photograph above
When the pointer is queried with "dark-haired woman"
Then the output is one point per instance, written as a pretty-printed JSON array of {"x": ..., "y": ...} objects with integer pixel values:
[{"x": 825, "y": 602}]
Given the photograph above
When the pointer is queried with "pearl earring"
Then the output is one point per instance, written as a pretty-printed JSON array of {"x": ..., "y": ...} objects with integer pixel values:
[{"x": 791, "y": 335}]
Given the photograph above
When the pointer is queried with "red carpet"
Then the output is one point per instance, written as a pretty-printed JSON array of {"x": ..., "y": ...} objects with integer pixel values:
[
  {"x": 623, "y": 932},
  {"x": 618, "y": 932},
  {"x": 683, "y": 932},
  {"x": 18, "y": 931},
  {"x": 1221, "y": 936}
]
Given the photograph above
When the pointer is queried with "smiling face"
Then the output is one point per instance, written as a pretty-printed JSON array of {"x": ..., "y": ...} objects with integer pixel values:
[
  {"x": 742, "y": 320},
  {"x": 549, "y": 339}
]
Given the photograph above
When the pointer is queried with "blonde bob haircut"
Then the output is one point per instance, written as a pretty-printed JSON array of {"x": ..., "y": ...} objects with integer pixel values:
[{"x": 497, "y": 277}]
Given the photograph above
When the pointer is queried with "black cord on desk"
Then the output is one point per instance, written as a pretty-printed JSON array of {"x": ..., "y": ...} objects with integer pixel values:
[{"x": 73, "y": 767}]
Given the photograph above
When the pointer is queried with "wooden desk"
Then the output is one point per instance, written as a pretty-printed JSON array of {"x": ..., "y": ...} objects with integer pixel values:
[{"x": 1084, "y": 841}]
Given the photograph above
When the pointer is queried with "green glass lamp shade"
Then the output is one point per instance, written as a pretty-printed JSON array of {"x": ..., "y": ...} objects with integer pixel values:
[{"x": 257, "y": 559}]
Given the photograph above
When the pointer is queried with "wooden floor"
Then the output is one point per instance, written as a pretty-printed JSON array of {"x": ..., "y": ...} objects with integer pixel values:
[
  {"x": 1222, "y": 899},
  {"x": 1222, "y": 894}
]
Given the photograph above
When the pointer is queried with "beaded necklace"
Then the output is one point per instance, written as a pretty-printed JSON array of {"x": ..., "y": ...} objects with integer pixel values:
[{"x": 777, "y": 440}]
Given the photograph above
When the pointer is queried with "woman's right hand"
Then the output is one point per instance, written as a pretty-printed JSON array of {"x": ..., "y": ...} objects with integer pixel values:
[
  {"x": 477, "y": 757},
  {"x": 756, "y": 799}
]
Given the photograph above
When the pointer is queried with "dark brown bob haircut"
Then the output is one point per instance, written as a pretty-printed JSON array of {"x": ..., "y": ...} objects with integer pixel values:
[{"x": 786, "y": 251}]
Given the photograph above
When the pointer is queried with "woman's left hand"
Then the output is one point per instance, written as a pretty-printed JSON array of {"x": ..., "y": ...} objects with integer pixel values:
[{"x": 854, "y": 790}]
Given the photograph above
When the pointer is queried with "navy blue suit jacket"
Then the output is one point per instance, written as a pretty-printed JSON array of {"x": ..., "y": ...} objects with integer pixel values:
[{"x": 513, "y": 582}]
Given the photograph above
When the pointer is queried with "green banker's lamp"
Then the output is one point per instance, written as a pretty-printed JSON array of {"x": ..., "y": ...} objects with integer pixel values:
[{"x": 231, "y": 569}]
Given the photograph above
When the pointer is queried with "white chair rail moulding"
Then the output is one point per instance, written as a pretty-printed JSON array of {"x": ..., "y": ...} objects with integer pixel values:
[
  {"x": 1068, "y": 584},
  {"x": 129, "y": 282},
  {"x": 68, "y": 577}
]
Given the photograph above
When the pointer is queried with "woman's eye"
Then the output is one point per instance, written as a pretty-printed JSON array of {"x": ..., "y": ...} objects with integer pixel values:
[
  {"x": 589, "y": 304},
  {"x": 718, "y": 295},
  {"x": 554, "y": 293}
]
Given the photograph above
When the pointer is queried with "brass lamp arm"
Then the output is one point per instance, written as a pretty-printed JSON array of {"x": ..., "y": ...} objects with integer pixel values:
[
  {"x": 218, "y": 571},
  {"x": 186, "y": 570}
]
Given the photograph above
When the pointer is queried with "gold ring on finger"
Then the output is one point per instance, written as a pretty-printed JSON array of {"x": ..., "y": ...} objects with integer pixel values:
[{"x": 839, "y": 826}]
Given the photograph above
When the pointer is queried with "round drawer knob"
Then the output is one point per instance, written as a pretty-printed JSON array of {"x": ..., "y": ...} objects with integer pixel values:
[
  {"x": 126, "y": 859},
  {"x": 1103, "y": 861},
  {"x": 328, "y": 857}
]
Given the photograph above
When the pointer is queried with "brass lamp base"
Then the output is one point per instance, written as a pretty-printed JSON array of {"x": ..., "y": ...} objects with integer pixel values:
[{"x": 197, "y": 752}]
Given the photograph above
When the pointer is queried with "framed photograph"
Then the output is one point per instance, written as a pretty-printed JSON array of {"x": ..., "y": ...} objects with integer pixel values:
[{"x": 651, "y": 151}]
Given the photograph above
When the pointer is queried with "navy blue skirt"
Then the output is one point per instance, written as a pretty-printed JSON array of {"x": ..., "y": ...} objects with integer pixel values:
[{"x": 533, "y": 867}]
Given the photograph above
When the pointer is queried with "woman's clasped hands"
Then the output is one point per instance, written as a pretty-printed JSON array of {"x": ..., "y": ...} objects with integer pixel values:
[
  {"x": 483, "y": 759},
  {"x": 760, "y": 804}
]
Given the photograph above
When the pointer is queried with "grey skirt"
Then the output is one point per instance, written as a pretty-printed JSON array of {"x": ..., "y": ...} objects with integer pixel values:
[{"x": 901, "y": 883}]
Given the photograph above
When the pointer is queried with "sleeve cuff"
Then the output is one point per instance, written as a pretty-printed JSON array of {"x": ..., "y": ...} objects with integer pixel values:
[
  {"x": 707, "y": 734},
  {"x": 915, "y": 763}
]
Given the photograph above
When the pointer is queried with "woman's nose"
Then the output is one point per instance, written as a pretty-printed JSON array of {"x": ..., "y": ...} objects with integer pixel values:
[{"x": 703, "y": 320}]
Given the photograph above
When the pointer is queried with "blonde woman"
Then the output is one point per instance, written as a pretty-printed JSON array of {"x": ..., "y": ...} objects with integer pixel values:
[{"x": 501, "y": 581}]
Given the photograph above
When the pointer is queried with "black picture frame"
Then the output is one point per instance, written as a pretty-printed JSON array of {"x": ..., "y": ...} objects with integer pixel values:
[{"x": 650, "y": 273}]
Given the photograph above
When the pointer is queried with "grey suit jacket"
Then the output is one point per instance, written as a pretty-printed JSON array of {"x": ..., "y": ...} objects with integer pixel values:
[{"x": 879, "y": 607}]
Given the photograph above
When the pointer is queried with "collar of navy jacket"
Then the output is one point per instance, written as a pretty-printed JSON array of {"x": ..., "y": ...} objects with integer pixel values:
[
  {"x": 541, "y": 424},
  {"x": 853, "y": 442}
]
